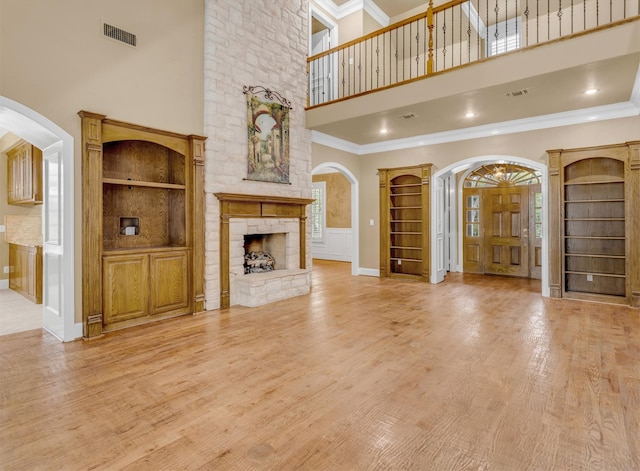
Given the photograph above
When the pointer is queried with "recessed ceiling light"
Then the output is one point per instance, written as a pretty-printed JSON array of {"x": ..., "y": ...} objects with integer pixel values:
[
  {"x": 495, "y": 131},
  {"x": 384, "y": 131},
  {"x": 592, "y": 118},
  {"x": 591, "y": 91},
  {"x": 470, "y": 114}
]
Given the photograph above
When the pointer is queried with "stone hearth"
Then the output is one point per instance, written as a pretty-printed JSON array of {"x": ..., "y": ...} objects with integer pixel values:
[{"x": 243, "y": 215}]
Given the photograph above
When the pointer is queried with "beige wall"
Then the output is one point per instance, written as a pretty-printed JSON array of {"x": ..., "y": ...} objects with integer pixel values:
[
  {"x": 54, "y": 60},
  {"x": 529, "y": 145},
  {"x": 338, "y": 199},
  {"x": 9, "y": 209}
]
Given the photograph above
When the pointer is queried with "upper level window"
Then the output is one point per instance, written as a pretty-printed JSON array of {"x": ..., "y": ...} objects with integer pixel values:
[{"x": 504, "y": 36}]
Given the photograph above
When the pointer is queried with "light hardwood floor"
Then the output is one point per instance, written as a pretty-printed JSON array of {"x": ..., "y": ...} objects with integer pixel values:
[
  {"x": 17, "y": 313},
  {"x": 479, "y": 372}
]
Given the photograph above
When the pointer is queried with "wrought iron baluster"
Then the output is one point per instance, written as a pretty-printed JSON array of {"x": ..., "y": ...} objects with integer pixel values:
[
  {"x": 548, "y": 20},
  {"x": 496, "y": 34},
  {"x": 377, "y": 61},
  {"x": 526, "y": 24},
  {"x": 572, "y": 16},
  {"x": 444, "y": 45},
  {"x": 396, "y": 56},
  {"x": 597, "y": 12},
  {"x": 417, "y": 48},
  {"x": 452, "y": 37},
  {"x": 469, "y": 36},
  {"x": 359, "y": 88},
  {"x": 560, "y": 18},
  {"x": 343, "y": 74}
]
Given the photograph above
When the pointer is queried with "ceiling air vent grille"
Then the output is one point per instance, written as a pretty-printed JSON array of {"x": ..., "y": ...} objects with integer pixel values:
[
  {"x": 119, "y": 34},
  {"x": 407, "y": 116},
  {"x": 522, "y": 92}
]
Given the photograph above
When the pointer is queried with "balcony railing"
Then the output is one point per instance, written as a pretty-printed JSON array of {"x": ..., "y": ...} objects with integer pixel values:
[{"x": 449, "y": 36}]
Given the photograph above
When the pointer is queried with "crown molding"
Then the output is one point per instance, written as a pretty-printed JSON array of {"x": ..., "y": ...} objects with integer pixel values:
[
  {"x": 598, "y": 113},
  {"x": 353, "y": 6},
  {"x": 318, "y": 137}
]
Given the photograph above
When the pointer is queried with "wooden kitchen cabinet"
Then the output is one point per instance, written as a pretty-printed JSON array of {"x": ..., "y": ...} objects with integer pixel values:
[
  {"x": 24, "y": 174},
  {"x": 25, "y": 274}
]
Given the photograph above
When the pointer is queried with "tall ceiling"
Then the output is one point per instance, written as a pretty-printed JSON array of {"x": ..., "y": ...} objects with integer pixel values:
[{"x": 555, "y": 77}]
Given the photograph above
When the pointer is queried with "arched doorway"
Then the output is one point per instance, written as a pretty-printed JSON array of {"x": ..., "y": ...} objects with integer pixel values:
[
  {"x": 448, "y": 214},
  {"x": 58, "y": 210},
  {"x": 355, "y": 246}
]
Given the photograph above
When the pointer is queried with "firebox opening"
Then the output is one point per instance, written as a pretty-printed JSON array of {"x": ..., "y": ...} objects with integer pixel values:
[{"x": 264, "y": 253}]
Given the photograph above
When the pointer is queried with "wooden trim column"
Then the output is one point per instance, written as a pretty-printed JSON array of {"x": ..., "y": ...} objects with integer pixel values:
[
  {"x": 225, "y": 277},
  {"x": 92, "y": 223},
  {"x": 384, "y": 226},
  {"x": 426, "y": 222},
  {"x": 632, "y": 185},
  {"x": 555, "y": 226},
  {"x": 197, "y": 154}
]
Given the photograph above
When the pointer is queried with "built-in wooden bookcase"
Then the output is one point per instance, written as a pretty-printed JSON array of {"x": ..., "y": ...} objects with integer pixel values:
[
  {"x": 143, "y": 217},
  {"x": 594, "y": 255},
  {"x": 404, "y": 222}
]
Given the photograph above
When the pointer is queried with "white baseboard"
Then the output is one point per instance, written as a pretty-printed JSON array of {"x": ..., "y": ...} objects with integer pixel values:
[
  {"x": 369, "y": 272},
  {"x": 4, "y": 284}
]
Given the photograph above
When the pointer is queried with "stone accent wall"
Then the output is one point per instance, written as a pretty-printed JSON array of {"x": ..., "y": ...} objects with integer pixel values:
[
  {"x": 262, "y": 42},
  {"x": 262, "y": 288}
]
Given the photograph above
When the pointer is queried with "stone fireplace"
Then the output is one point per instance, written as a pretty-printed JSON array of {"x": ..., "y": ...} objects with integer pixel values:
[{"x": 266, "y": 224}]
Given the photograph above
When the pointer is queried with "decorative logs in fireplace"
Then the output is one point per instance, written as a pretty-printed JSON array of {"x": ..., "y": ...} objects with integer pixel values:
[
  {"x": 258, "y": 262},
  {"x": 257, "y": 256}
]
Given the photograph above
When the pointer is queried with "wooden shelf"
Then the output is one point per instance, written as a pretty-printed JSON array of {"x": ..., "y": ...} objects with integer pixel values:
[
  {"x": 169, "y": 186},
  {"x": 594, "y": 219},
  {"x": 588, "y": 255},
  {"x": 595, "y": 201},
  {"x": 599, "y": 182},
  {"x": 143, "y": 242},
  {"x": 404, "y": 219},
  {"x": 407, "y": 185},
  {"x": 595, "y": 238},
  {"x": 594, "y": 223},
  {"x": 611, "y": 275}
]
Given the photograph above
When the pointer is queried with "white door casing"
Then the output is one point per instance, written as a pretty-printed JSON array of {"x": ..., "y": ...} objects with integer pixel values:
[{"x": 58, "y": 216}]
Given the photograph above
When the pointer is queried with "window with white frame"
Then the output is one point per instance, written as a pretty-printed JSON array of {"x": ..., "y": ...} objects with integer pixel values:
[
  {"x": 318, "y": 211},
  {"x": 504, "y": 36}
]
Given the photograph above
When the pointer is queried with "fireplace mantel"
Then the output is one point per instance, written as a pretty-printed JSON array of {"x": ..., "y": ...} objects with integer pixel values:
[{"x": 256, "y": 206}]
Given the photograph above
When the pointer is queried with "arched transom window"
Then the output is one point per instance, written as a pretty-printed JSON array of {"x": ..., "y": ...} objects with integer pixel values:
[{"x": 502, "y": 175}]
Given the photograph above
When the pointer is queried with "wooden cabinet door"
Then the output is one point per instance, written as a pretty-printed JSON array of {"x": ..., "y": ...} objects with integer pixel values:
[
  {"x": 170, "y": 282},
  {"x": 125, "y": 284},
  {"x": 506, "y": 231}
]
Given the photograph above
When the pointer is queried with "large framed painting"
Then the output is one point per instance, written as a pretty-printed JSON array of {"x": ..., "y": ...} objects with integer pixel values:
[{"x": 268, "y": 133}]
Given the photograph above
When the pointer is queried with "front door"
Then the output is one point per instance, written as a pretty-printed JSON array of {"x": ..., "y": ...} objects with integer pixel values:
[{"x": 506, "y": 216}]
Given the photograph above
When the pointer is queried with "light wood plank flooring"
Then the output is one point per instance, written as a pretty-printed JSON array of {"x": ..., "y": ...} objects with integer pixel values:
[
  {"x": 477, "y": 373},
  {"x": 17, "y": 313}
]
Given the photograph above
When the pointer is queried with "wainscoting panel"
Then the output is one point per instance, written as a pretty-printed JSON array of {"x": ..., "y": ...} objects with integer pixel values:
[{"x": 336, "y": 246}]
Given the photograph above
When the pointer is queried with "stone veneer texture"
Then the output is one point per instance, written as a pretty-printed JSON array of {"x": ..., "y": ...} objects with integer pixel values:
[{"x": 250, "y": 43}]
